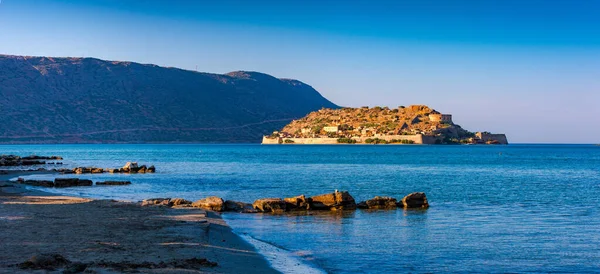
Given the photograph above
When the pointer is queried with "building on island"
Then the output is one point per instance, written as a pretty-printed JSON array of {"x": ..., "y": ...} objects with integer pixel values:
[
  {"x": 445, "y": 118},
  {"x": 331, "y": 129}
]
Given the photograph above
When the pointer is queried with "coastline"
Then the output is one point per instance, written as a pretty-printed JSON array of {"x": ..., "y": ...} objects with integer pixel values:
[{"x": 92, "y": 231}]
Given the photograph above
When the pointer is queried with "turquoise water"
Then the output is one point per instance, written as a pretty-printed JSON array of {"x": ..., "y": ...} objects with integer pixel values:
[{"x": 516, "y": 208}]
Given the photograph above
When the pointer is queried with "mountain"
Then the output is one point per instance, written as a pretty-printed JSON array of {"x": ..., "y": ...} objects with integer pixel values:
[{"x": 87, "y": 100}]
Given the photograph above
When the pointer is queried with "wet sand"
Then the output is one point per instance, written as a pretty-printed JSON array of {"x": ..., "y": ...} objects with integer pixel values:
[{"x": 113, "y": 237}]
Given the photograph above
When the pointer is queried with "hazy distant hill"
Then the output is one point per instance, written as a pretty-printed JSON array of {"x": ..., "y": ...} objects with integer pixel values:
[{"x": 89, "y": 100}]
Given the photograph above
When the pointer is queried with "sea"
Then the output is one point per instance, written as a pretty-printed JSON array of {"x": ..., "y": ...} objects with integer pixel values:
[{"x": 515, "y": 208}]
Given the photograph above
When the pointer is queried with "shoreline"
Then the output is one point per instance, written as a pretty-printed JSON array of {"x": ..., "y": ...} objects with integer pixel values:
[{"x": 85, "y": 230}]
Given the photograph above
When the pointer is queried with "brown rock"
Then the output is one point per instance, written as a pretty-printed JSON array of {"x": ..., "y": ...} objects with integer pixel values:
[
  {"x": 297, "y": 203},
  {"x": 239, "y": 207},
  {"x": 275, "y": 205},
  {"x": 151, "y": 169},
  {"x": 180, "y": 202},
  {"x": 142, "y": 169},
  {"x": 113, "y": 183},
  {"x": 97, "y": 170},
  {"x": 157, "y": 202},
  {"x": 381, "y": 203},
  {"x": 333, "y": 201},
  {"x": 211, "y": 203},
  {"x": 414, "y": 200},
  {"x": 130, "y": 166}
]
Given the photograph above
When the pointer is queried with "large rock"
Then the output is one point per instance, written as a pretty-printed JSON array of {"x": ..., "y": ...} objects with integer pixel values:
[
  {"x": 275, "y": 205},
  {"x": 297, "y": 203},
  {"x": 333, "y": 201},
  {"x": 180, "y": 202},
  {"x": 157, "y": 202},
  {"x": 379, "y": 203},
  {"x": 130, "y": 166},
  {"x": 414, "y": 200},
  {"x": 71, "y": 182},
  {"x": 240, "y": 207},
  {"x": 113, "y": 183},
  {"x": 43, "y": 183},
  {"x": 211, "y": 203}
]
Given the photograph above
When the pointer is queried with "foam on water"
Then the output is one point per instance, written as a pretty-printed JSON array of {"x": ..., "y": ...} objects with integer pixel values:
[{"x": 280, "y": 259}]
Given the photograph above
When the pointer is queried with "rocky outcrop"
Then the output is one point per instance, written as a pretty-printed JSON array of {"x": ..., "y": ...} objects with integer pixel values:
[
  {"x": 157, "y": 202},
  {"x": 167, "y": 202},
  {"x": 130, "y": 167},
  {"x": 379, "y": 203},
  {"x": 298, "y": 203},
  {"x": 333, "y": 201},
  {"x": 414, "y": 200},
  {"x": 275, "y": 205},
  {"x": 211, "y": 203},
  {"x": 42, "y": 183},
  {"x": 113, "y": 183},
  {"x": 71, "y": 182},
  {"x": 240, "y": 207},
  {"x": 14, "y": 160},
  {"x": 180, "y": 202}
]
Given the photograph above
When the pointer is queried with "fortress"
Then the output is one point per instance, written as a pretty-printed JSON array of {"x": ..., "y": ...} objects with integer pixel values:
[{"x": 445, "y": 118}]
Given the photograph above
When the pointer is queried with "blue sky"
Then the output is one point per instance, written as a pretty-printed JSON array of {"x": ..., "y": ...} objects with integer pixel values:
[{"x": 530, "y": 69}]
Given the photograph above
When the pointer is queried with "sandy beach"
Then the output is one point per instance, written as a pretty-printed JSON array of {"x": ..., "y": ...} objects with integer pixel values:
[{"x": 107, "y": 236}]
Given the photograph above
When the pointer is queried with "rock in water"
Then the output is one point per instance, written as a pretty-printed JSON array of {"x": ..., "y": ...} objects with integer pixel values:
[
  {"x": 70, "y": 182},
  {"x": 381, "y": 203},
  {"x": 43, "y": 183},
  {"x": 297, "y": 203},
  {"x": 211, "y": 203},
  {"x": 113, "y": 183},
  {"x": 240, "y": 207},
  {"x": 129, "y": 166},
  {"x": 180, "y": 202},
  {"x": 414, "y": 200},
  {"x": 157, "y": 202},
  {"x": 333, "y": 201},
  {"x": 275, "y": 205}
]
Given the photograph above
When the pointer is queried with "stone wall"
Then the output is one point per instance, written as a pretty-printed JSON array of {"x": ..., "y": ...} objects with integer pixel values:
[
  {"x": 271, "y": 141},
  {"x": 313, "y": 141},
  {"x": 417, "y": 139},
  {"x": 486, "y": 137}
]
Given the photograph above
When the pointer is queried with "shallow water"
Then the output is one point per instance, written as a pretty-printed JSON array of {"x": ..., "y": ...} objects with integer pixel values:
[{"x": 513, "y": 208}]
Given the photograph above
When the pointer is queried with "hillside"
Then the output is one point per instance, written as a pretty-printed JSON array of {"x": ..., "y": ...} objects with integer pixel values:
[
  {"x": 76, "y": 100},
  {"x": 418, "y": 124}
]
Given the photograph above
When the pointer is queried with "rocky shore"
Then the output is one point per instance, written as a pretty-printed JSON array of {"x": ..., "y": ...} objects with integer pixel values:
[
  {"x": 46, "y": 233},
  {"x": 338, "y": 200},
  {"x": 14, "y": 160}
]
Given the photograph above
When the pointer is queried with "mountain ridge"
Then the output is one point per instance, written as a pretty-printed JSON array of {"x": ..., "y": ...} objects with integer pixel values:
[{"x": 89, "y": 100}]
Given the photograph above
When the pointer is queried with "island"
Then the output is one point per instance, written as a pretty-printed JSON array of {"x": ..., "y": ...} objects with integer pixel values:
[{"x": 415, "y": 124}]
